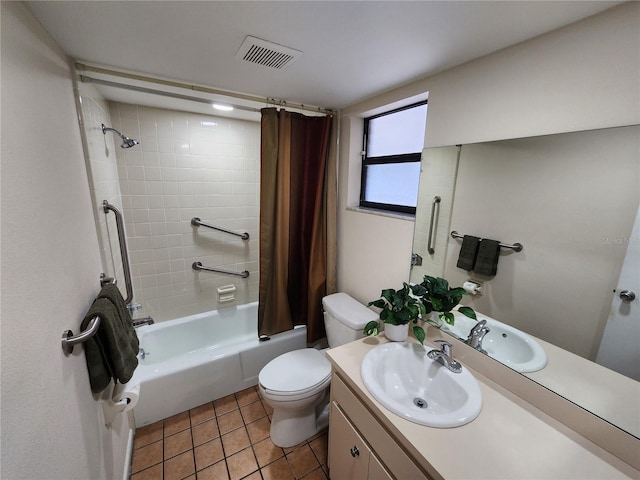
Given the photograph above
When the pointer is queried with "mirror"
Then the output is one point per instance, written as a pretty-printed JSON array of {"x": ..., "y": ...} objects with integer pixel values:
[{"x": 571, "y": 200}]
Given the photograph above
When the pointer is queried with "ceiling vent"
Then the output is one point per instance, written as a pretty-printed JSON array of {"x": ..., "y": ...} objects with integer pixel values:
[{"x": 265, "y": 53}]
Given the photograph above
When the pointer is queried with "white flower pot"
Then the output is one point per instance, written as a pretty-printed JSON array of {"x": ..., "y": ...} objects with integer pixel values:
[{"x": 396, "y": 333}]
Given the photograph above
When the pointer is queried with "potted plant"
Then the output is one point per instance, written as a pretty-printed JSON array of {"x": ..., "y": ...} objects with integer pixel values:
[
  {"x": 399, "y": 308},
  {"x": 440, "y": 297}
]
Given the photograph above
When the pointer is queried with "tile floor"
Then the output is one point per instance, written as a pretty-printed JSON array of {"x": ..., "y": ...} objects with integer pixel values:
[{"x": 227, "y": 439}]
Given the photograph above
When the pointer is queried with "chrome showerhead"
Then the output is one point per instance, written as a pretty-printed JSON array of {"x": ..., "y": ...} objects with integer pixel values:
[{"x": 126, "y": 141}]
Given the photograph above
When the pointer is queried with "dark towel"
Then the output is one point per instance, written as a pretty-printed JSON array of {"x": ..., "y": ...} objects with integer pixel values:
[
  {"x": 111, "y": 352},
  {"x": 112, "y": 293},
  {"x": 487, "y": 259},
  {"x": 468, "y": 252}
]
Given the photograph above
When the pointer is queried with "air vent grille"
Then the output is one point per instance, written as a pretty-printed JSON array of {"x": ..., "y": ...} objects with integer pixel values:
[{"x": 268, "y": 54}]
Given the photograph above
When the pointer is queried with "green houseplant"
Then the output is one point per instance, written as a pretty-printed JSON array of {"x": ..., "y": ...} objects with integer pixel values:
[
  {"x": 399, "y": 307},
  {"x": 440, "y": 297},
  {"x": 413, "y": 302}
]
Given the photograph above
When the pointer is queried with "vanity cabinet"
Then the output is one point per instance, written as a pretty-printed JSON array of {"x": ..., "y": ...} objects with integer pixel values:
[{"x": 360, "y": 448}]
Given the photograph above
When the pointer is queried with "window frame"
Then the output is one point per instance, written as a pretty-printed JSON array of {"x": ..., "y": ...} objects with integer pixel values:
[{"x": 385, "y": 160}]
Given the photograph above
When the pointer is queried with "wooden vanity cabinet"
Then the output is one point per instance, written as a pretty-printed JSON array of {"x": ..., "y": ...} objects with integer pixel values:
[{"x": 360, "y": 448}]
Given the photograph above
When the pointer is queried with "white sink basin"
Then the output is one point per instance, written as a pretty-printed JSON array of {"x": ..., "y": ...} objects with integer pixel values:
[
  {"x": 506, "y": 344},
  {"x": 403, "y": 379}
]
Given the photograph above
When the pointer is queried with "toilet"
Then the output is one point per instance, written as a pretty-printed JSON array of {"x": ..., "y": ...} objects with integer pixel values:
[{"x": 296, "y": 383}]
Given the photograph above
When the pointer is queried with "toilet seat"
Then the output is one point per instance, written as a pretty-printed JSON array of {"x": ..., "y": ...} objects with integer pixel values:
[{"x": 296, "y": 373}]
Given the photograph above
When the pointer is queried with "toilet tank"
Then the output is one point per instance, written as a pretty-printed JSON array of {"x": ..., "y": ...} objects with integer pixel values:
[{"x": 344, "y": 318}]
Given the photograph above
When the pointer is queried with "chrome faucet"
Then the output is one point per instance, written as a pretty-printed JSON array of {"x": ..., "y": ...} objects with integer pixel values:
[
  {"x": 476, "y": 335},
  {"x": 138, "y": 322},
  {"x": 444, "y": 356}
]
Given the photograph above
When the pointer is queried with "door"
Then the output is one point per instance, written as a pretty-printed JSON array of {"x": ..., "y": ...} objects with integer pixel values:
[{"x": 620, "y": 346}]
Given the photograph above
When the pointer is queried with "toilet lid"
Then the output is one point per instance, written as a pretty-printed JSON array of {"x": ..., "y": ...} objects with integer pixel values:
[{"x": 295, "y": 371}]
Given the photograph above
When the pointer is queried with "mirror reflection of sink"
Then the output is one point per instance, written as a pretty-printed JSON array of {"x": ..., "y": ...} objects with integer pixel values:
[
  {"x": 403, "y": 379},
  {"x": 506, "y": 344}
]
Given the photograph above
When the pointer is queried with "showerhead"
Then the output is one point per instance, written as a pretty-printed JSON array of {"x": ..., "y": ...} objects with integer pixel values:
[{"x": 126, "y": 141}]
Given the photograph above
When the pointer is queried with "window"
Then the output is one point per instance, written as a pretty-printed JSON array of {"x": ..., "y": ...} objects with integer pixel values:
[{"x": 393, "y": 143}]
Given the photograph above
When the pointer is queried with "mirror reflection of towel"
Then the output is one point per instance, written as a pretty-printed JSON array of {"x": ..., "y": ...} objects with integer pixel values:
[
  {"x": 487, "y": 259},
  {"x": 468, "y": 252}
]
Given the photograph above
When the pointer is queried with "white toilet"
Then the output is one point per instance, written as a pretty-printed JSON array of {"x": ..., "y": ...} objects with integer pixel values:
[{"x": 296, "y": 384}]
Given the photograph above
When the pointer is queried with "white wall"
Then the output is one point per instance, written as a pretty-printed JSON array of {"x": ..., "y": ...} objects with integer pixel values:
[
  {"x": 583, "y": 76},
  {"x": 51, "y": 424}
]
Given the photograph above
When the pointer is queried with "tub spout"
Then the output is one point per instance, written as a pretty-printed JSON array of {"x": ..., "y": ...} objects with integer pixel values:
[{"x": 138, "y": 322}]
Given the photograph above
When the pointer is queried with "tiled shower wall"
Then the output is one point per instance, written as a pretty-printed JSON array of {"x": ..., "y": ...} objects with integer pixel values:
[{"x": 188, "y": 165}]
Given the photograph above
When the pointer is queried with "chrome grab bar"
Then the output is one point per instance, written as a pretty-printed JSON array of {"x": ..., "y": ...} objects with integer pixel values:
[
  {"x": 196, "y": 222},
  {"x": 69, "y": 339},
  {"x": 436, "y": 201},
  {"x": 517, "y": 247},
  {"x": 122, "y": 239},
  {"x": 197, "y": 266}
]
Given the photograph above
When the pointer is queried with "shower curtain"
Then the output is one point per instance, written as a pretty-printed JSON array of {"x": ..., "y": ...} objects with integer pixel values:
[{"x": 297, "y": 221}]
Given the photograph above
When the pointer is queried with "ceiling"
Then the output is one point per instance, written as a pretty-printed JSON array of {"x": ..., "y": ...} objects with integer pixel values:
[{"x": 351, "y": 50}]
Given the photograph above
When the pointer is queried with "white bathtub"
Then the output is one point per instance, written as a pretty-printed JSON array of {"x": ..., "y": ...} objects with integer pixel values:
[{"x": 203, "y": 357}]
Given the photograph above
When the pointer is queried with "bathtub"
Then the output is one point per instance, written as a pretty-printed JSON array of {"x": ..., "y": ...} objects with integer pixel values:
[{"x": 189, "y": 361}]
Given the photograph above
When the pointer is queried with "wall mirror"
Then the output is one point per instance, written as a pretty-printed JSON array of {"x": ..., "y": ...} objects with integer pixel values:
[{"x": 571, "y": 200}]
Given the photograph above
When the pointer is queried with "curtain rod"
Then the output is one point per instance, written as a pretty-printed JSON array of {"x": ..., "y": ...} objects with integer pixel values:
[{"x": 195, "y": 88}]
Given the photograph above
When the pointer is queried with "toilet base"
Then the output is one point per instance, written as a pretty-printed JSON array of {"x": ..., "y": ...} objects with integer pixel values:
[{"x": 289, "y": 429}]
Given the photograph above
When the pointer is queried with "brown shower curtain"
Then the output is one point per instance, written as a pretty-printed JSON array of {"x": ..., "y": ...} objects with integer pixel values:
[{"x": 297, "y": 213}]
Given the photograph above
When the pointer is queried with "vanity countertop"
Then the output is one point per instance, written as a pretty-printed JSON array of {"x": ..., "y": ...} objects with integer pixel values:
[{"x": 510, "y": 439}]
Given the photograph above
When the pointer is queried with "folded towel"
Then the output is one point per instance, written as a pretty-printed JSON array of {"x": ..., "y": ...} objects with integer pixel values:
[
  {"x": 112, "y": 293},
  {"x": 468, "y": 252},
  {"x": 110, "y": 352},
  {"x": 487, "y": 259}
]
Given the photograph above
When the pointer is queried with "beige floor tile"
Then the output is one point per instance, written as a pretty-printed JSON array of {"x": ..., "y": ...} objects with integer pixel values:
[
  {"x": 259, "y": 430},
  {"x": 225, "y": 404},
  {"x": 202, "y": 413},
  {"x": 317, "y": 474},
  {"x": 230, "y": 421},
  {"x": 208, "y": 454},
  {"x": 242, "y": 464},
  {"x": 266, "y": 452},
  {"x": 148, "y": 434},
  {"x": 217, "y": 471},
  {"x": 146, "y": 456},
  {"x": 278, "y": 470},
  {"x": 203, "y": 432},
  {"x": 246, "y": 396},
  {"x": 235, "y": 441},
  {"x": 179, "y": 467},
  {"x": 178, "y": 443},
  {"x": 302, "y": 461},
  {"x": 268, "y": 408},
  {"x": 151, "y": 473},
  {"x": 176, "y": 423},
  {"x": 252, "y": 412},
  {"x": 320, "y": 446},
  {"x": 254, "y": 476}
]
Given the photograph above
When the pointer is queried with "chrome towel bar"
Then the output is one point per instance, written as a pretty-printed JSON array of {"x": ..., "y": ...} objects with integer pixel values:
[
  {"x": 436, "y": 202},
  {"x": 196, "y": 222},
  {"x": 197, "y": 266},
  {"x": 122, "y": 239},
  {"x": 517, "y": 247}
]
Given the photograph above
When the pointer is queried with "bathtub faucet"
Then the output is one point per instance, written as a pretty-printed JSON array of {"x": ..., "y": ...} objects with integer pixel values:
[{"x": 138, "y": 322}]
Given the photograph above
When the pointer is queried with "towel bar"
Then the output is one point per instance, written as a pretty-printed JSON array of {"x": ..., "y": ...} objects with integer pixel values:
[
  {"x": 516, "y": 247},
  {"x": 69, "y": 339}
]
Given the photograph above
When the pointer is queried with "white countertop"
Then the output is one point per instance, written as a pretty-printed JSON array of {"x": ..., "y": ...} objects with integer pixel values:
[{"x": 510, "y": 439}]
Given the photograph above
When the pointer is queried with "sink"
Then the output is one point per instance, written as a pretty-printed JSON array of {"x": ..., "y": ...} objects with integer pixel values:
[
  {"x": 403, "y": 379},
  {"x": 505, "y": 343}
]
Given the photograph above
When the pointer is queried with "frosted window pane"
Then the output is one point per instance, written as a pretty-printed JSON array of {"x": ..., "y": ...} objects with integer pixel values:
[
  {"x": 393, "y": 183},
  {"x": 397, "y": 133}
]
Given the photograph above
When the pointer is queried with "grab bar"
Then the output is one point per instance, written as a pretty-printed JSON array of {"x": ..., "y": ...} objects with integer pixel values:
[
  {"x": 436, "y": 201},
  {"x": 517, "y": 247},
  {"x": 197, "y": 266},
  {"x": 123, "y": 249},
  {"x": 69, "y": 339},
  {"x": 196, "y": 222}
]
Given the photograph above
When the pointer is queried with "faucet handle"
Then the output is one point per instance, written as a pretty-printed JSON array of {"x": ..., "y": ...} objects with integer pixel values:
[{"x": 445, "y": 347}]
